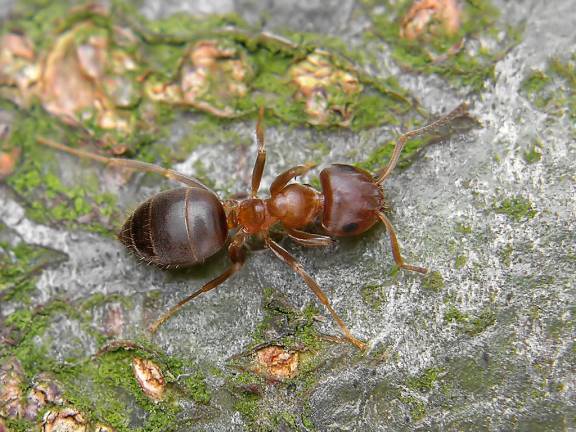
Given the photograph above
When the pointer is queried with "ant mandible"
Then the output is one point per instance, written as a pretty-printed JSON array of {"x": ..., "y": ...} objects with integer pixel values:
[{"x": 185, "y": 226}]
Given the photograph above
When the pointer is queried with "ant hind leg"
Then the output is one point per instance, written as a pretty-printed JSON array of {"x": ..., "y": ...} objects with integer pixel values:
[
  {"x": 237, "y": 256},
  {"x": 126, "y": 163}
]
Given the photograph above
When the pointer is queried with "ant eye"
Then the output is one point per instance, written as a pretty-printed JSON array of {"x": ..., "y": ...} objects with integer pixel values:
[{"x": 350, "y": 227}]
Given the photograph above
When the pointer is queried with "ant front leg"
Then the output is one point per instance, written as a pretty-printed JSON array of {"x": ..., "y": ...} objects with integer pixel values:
[
  {"x": 283, "y": 179},
  {"x": 126, "y": 163},
  {"x": 396, "y": 249},
  {"x": 261, "y": 158},
  {"x": 237, "y": 256},
  {"x": 285, "y": 256}
]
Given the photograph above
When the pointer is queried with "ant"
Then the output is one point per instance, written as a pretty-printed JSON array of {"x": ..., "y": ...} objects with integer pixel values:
[{"x": 185, "y": 226}]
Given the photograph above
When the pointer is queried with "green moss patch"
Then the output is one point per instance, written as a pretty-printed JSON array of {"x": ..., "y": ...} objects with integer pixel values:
[
  {"x": 533, "y": 153},
  {"x": 463, "y": 228},
  {"x": 38, "y": 180},
  {"x": 103, "y": 387},
  {"x": 373, "y": 295},
  {"x": 416, "y": 407},
  {"x": 517, "y": 208},
  {"x": 262, "y": 413},
  {"x": 439, "y": 53},
  {"x": 433, "y": 281},
  {"x": 470, "y": 325},
  {"x": 460, "y": 261},
  {"x": 284, "y": 326},
  {"x": 20, "y": 264},
  {"x": 506, "y": 255},
  {"x": 425, "y": 381},
  {"x": 197, "y": 388},
  {"x": 105, "y": 390},
  {"x": 247, "y": 389},
  {"x": 159, "y": 47},
  {"x": 553, "y": 90}
]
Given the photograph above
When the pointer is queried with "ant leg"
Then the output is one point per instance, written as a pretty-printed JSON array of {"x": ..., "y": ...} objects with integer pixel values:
[
  {"x": 396, "y": 249},
  {"x": 283, "y": 179},
  {"x": 284, "y": 256},
  {"x": 124, "y": 344},
  {"x": 237, "y": 256},
  {"x": 126, "y": 163},
  {"x": 459, "y": 111},
  {"x": 309, "y": 240},
  {"x": 261, "y": 158}
]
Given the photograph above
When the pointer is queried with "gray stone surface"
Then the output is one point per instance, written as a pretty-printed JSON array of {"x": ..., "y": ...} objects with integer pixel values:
[{"x": 517, "y": 374}]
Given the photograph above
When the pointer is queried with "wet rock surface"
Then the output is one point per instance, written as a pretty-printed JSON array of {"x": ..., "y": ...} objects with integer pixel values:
[{"x": 483, "y": 342}]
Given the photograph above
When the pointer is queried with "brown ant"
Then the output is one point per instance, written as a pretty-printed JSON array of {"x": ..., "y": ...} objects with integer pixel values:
[{"x": 185, "y": 226}]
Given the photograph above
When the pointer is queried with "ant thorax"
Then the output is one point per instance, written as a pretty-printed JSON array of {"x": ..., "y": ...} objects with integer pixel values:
[
  {"x": 295, "y": 206},
  {"x": 253, "y": 216}
]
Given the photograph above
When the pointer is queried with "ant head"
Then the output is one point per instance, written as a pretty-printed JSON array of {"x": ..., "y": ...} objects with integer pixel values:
[{"x": 352, "y": 200}]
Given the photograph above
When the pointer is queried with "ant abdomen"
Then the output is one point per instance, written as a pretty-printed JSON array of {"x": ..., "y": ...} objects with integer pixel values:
[
  {"x": 176, "y": 228},
  {"x": 352, "y": 200}
]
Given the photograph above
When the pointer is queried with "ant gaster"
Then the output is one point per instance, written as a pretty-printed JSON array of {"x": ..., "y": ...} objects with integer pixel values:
[{"x": 185, "y": 226}]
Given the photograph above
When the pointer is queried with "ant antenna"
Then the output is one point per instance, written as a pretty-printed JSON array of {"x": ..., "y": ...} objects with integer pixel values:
[{"x": 459, "y": 111}]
